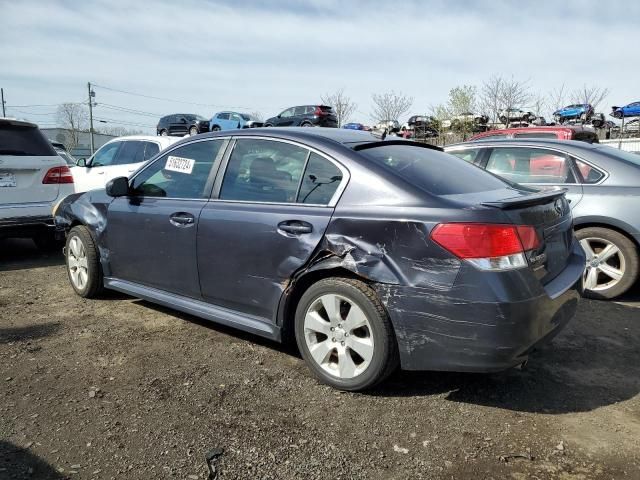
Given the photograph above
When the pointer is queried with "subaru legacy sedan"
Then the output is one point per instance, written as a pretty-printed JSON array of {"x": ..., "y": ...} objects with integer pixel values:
[{"x": 370, "y": 253}]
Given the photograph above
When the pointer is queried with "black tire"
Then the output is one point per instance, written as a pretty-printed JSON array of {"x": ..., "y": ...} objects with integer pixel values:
[
  {"x": 47, "y": 242},
  {"x": 503, "y": 120},
  {"x": 628, "y": 251},
  {"x": 94, "y": 285},
  {"x": 267, "y": 125},
  {"x": 385, "y": 354},
  {"x": 164, "y": 133},
  {"x": 193, "y": 130},
  {"x": 215, "y": 128},
  {"x": 306, "y": 124}
]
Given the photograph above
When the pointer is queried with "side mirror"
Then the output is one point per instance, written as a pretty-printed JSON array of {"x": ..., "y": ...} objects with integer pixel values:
[
  {"x": 81, "y": 162},
  {"x": 118, "y": 187}
]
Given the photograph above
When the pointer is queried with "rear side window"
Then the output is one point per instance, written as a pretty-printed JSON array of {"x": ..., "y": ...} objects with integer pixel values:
[
  {"x": 302, "y": 111},
  {"x": 22, "y": 140},
  {"x": 223, "y": 116},
  {"x": 321, "y": 180},
  {"x": 181, "y": 173},
  {"x": 530, "y": 165},
  {"x": 434, "y": 172},
  {"x": 263, "y": 171},
  {"x": 588, "y": 173},
  {"x": 150, "y": 149}
]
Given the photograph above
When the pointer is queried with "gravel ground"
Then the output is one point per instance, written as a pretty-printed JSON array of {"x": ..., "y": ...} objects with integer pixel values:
[{"x": 120, "y": 388}]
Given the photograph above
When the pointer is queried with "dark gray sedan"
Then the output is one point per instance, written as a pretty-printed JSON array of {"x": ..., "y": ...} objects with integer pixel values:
[
  {"x": 603, "y": 186},
  {"x": 369, "y": 253}
]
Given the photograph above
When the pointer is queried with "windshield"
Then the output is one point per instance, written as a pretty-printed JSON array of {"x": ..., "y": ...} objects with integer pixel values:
[{"x": 435, "y": 172}]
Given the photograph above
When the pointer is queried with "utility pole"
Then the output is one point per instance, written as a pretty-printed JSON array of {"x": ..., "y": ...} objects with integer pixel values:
[
  {"x": 3, "y": 102},
  {"x": 91, "y": 95}
]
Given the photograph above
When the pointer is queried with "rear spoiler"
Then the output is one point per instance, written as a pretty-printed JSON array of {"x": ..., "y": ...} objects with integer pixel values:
[{"x": 527, "y": 200}]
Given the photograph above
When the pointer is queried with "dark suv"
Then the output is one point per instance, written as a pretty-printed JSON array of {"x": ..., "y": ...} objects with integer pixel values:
[
  {"x": 305, "y": 116},
  {"x": 180, "y": 124}
]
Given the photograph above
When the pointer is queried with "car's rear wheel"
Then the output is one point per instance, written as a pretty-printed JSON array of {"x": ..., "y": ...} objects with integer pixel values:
[
  {"x": 164, "y": 133},
  {"x": 193, "y": 131},
  {"x": 345, "y": 335},
  {"x": 306, "y": 124},
  {"x": 83, "y": 264},
  {"x": 612, "y": 262},
  {"x": 268, "y": 125}
]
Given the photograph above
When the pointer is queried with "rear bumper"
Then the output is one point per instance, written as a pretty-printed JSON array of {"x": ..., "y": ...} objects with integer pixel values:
[
  {"x": 18, "y": 227},
  {"x": 487, "y": 328}
]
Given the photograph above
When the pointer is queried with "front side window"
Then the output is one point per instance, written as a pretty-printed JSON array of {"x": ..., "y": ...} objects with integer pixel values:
[
  {"x": 530, "y": 165},
  {"x": 223, "y": 116},
  {"x": 181, "y": 173},
  {"x": 287, "y": 113},
  {"x": 263, "y": 171},
  {"x": 320, "y": 181},
  {"x": 130, "y": 152},
  {"x": 105, "y": 156}
]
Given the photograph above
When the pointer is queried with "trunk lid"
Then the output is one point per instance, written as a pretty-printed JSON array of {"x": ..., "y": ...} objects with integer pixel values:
[{"x": 549, "y": 213}]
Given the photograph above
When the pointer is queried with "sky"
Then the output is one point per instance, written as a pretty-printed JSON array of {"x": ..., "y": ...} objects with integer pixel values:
[{"x": 204, "y": 56}]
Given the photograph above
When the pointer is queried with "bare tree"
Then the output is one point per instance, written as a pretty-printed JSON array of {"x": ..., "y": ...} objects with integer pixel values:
[
  {"x": 538, "y": 104},
  {"x": 390, "y": 105},
  {"x": 593, "y": 95},
  {"x": 499, "y": 93},
  {"x": 342, "y": 105},
  {"x": 490, "y": 97},
  {"x": 72, "y": 117},
  {"x": 557, "y": 98}
]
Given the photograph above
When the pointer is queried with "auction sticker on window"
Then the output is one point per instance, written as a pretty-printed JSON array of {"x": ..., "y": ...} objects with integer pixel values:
[{"x": 179, "y": 164}]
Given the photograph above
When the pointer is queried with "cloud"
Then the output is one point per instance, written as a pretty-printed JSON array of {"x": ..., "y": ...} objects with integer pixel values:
[{"x": 258, "y": 56}]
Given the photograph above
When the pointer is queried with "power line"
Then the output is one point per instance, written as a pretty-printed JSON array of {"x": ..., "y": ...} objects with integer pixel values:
[
  {"x": 129, "y": 110},
  {"x": 170, "y": 99},
  {"x": 119, "y": 122}
]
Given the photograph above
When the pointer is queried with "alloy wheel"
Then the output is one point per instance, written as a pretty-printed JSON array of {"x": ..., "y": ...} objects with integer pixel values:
[
  {"x": 605, "y": 264},
  {"x": 338, "y": 335},
  {"x": 77, "y": 263}
]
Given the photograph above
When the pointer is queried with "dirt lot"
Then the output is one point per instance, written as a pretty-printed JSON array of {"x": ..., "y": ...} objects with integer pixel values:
[{"x": 119, "y": 388}]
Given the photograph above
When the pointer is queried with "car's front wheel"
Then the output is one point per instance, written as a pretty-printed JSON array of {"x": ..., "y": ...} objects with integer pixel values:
[
  {"x": 345, "y": 335},
  {"x": 164, "y": 133},
  {"x": 215, "y": 128},
  {"x": 83, "y": 264},
  {"x": 193, "y": 131},
  {"x": 612, "y": 262}
]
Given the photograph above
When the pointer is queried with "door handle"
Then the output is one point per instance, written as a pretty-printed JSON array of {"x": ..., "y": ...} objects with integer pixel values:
[
  {"x": 295, "y": 227},
  {"x": 181, "y": 219}
]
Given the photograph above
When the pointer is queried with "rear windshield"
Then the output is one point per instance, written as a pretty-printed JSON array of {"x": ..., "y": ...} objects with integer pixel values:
[
  {"x": 536, "y": 135},
  {"x": 435, "y": 172},
  {"x": 22, "y": 140}
]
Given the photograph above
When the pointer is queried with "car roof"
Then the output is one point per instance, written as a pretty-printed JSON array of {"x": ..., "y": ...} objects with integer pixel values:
[
  {"x": 338, "y": 135},
  {"x": 16, "y": 122},
  {"x": 164, "y": 141}
]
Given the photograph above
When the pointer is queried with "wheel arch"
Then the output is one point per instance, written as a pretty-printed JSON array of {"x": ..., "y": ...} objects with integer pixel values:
[{"x": 608, "y": 223}]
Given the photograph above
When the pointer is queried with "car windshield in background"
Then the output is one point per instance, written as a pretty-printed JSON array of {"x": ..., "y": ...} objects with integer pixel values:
[
  {"x": 23, "y": 140},
  {"x": 435, "y": 172},
  {"x": 246, "y": 117}
]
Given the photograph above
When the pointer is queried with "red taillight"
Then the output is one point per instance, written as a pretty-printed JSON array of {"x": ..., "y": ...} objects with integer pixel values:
[
  {"x": 58, "y": 175},
  {"x": 478, "y": 240},
  {"x": 320, "y": 112}
]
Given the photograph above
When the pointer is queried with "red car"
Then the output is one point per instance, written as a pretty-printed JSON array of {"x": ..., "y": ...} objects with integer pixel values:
[{"x": 558, "y": 132}]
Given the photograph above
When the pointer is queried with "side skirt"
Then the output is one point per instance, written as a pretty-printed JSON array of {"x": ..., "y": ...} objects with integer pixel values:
[{"x": 224, "y": 316}]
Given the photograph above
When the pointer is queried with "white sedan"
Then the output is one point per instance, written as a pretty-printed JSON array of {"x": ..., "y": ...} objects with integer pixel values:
[{"x": 119, "y": 157}]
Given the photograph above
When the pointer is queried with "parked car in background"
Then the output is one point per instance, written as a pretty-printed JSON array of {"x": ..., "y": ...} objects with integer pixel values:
[
  {"x": 33, "y": 178},
  {"x": 369, "y": 253},
  {"x": 515, "y": 115},
  {"x": 232, "y": 121},
  {"x": 578, "y": 111},
  {"x": 355, "y": 126},
  {"x": 181, "y": 124},
  {"x": 119, "y": 157},
  {"x": 603, "y": 186},
  {"x": 304, "y": 116},
  {"x": 631, "y": 110},
  {"x": 62, "y": 151},
  {"x": 469, "y": 117},
  {"x": 583, "y": 134}
]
